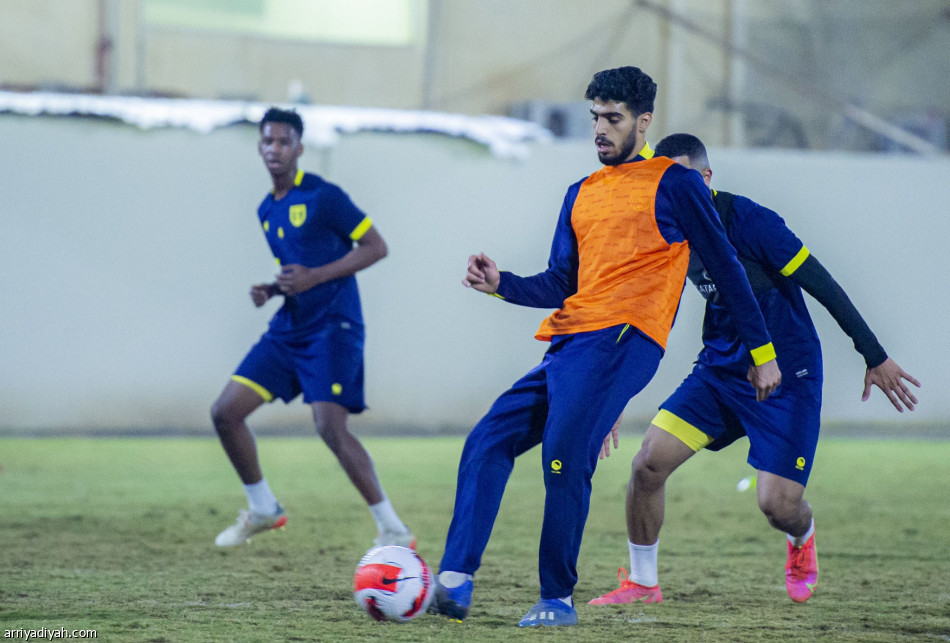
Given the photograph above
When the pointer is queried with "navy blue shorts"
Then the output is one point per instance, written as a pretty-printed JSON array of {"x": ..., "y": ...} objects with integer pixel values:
[
  {"x": 712, "y": 409},
  {"x": 327, "y": 366}
]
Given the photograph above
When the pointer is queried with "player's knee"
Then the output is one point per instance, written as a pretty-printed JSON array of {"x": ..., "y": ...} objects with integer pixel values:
[
  {"x": 781, "y": 501},
  {"x": 646, "y": 471},
  {"x": 330, "y": 431},
  {"x": 223, "y": 418},
  {"x": 322, "y": 427},
  {"x": 780, "y": 511}
]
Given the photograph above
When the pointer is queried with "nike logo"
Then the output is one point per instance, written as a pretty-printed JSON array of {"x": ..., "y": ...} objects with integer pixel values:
[{"x": 393, "y": 581}]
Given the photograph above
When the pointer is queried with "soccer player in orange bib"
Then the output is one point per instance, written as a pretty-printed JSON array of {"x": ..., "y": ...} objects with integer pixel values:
[{"x": 615, "y": 275}]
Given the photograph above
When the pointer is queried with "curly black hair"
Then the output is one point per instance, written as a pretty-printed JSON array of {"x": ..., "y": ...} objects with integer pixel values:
[
  {"x": 625, "y": 85},
  {"x": 288, "y": 116}
]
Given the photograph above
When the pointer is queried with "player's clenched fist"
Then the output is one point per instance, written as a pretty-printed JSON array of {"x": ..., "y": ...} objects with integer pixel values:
[
  {"x": 482, "y": 274},
  {"x": 260, "y": 293}
]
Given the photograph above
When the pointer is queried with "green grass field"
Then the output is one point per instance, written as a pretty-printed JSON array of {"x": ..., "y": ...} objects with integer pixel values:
[{"x": 116, "y": 535}]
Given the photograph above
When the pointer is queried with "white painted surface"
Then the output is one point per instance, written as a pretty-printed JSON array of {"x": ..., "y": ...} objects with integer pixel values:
[{"x": 127, "y": 255}]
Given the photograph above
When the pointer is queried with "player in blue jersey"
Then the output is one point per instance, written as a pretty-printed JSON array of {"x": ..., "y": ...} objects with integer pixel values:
[
  {"x": 714, "y": 407},
  {"x": 314, "y": 344},
  {"x": 615, "y": 274}
]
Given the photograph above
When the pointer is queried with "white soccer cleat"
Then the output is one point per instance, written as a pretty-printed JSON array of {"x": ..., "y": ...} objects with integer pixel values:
[
  {"x": 403, "y": 539},
  {"x": 249, "y": 524}
]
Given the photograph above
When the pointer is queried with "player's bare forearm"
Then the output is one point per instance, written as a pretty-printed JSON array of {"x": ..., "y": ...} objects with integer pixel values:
[
  {"x": 295, "y": 278},
  {"x": 891, "y": 379},
  {"x": 369, "y": 249},
  {"x": 359, "y": 258}
]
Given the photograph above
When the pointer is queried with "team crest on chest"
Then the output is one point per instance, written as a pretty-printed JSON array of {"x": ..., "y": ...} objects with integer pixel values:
[
  {"x": 641, "y": 198},
  {"x": 298, "y": 214}
]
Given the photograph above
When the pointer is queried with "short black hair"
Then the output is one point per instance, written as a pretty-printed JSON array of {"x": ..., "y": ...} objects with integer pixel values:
[
  {"x": 684, "y": 145},
  {"x": 288, "y": 116},
  {"x": 625, "y": 85}
]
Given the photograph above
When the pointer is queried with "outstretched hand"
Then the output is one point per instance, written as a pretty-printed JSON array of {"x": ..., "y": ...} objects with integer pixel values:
[
  {"x": 614, "y": 435},
  {"x": 889, "y": 377},
  {"x": 482, "y": 274}
]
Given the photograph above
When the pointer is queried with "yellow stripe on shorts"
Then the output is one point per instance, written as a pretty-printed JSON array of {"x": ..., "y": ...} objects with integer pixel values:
[
  {"x": 680, "y": 428},
  {"x": 254, "y": 386},
  {"x": 625, "y": 329}
]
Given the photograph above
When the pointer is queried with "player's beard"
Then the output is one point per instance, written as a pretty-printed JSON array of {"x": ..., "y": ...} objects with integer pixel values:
[{"x": 626, "y": 149}]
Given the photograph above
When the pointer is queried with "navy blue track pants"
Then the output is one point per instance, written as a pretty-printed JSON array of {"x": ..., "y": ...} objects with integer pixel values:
[{"x": 568, "y": 404}]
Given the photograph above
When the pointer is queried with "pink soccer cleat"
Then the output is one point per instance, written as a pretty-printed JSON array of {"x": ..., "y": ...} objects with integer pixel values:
[
  {"x": 629, "y": 592},
  {"x": 801, "y": 570}
]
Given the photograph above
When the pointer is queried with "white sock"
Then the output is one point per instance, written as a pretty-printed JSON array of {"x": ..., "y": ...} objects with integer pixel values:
[
  {"x": 643, "y": 563},
  {"x": 567, "y": 600},
  {"x": 260, "y": 499},
  {"x": 386, "y": 518},
  {"x": 798, "y": 541},
  {"x": 453, "y": 579}
]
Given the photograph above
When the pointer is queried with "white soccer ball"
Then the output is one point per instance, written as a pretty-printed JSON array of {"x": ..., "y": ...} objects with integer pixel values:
[{"x": 393, "y": 584}]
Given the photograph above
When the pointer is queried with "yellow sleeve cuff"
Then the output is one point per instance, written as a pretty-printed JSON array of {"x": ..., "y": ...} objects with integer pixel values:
[
  {"x": 361, "y": 229},
  {"x": 763, "y": 354}
]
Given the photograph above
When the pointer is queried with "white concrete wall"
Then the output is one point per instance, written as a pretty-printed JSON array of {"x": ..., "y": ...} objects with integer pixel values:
[{"x": 126, "y": 258}]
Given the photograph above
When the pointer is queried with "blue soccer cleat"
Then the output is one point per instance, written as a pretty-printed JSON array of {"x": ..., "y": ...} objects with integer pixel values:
[
  {"x": 549, "y": 611},
  {"x": 452, "y": 601}
]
